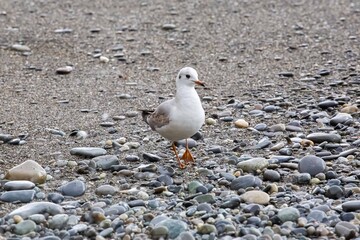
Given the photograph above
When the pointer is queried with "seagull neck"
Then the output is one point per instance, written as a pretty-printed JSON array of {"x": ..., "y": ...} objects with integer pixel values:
[{"x": 184, "y": 92}]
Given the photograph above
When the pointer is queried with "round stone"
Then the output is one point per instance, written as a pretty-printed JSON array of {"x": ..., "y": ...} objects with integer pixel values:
[
  {"x": 347, "y": 230},
  {"x": 241, "y": 123},
  {"x": 74, "y": 188},
  {"x": 288, "y": 214},
  {"x": 312, "y": 164},
  {"x": 334, "y": 192},
  {"x": 105, "y": 190},
  {"x": 271, "y": 175},
  {"x": 244, "y": 182},
  {"x": 255, "y": 196},
  {"x": 24, "y": 227}
]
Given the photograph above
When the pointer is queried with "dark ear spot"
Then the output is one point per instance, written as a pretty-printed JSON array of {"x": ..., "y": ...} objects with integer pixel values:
[{"x": 187, "y": 76}]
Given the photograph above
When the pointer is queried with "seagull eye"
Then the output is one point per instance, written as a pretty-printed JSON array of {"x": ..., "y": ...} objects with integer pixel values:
[
  {"x": 180, "y": 77},
  {"x": 187, "y": 76}
]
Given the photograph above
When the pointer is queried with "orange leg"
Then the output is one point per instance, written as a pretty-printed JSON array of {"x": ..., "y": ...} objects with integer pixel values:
[
  {"x": 187, "y": 157},
  {"x": 181, "y": 164}
]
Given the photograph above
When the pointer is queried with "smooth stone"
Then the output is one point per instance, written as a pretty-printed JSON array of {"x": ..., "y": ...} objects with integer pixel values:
[
  {"x": 38, "y": 218},
  {"x": 261, "y": 127},
  {"x": 311, "y": 164},
  {"x": 105, "y": 190},
  {"x": 350, "y": 206},
  {"x": 340, "y": 118},
  {"x": 88, "y": 151},
  {"x": 241, "y": 123},
  {"x": 255, "y": 196},
  {"x": 288, "y": 214},
  {"x": 193, "y": 186},
  {"x": 37, "y": 208},
  {"x": 231, "y": 203},
  {"x": 55, "y": 197},
  {"x": 253, "y": 164},
  {"x": 205, "y": 198},
  {"x": 206, "y": 229},
  {"x": 320, "y": 137},
  {"x": 165, "y": 179},
  {"x": 132, "y": 158},
  {"x": 151, "y": 157},
  {"x": 64, "y": 70},
  {"x": 105, "y": 162},
  {"x": 280, "y": 127},
  {"x": 58, "y": 221},
  {"x": 263, "y": 143},
  {"x": 175, "y": 227},
  {"x": 23, "y": 196},
  {"x": 347, "y": 230},
  {"x": 334, "y": 192},
  {"x": 18, "y": 185},
  {"x": 136, "y": 203},
  {"x": 106, "y": 232},
  {"x": 303, "y": 178},
  {"x": 316, "y": 215},
  {"x": 20, "y": 48},
  {"x": 74, "y": 188},
  {"x": 349, "y": 109},
  {"x": 24, "y": 227},
  {"x": 327, "y": 104},
  {"x": 271, "y": 175},
  {"x": 28, "y": 170},
  {"x": 244, "y": 182},
  {"x": 160, "y": 232},
  {"x": 168, "y": 26}
]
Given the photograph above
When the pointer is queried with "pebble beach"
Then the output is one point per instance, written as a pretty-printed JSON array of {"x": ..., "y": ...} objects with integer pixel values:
[{"x": 277, "y": 158}]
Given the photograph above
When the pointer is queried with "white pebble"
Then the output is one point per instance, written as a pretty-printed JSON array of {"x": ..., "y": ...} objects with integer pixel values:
[{"x": 104, "y": 59}]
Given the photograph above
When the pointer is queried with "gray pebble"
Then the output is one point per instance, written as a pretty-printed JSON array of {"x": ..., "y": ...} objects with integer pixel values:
[
  {"x": 105, "y": 162},
  {"x": 320, "y": 137},
  {"x": 24, "y": 227},
  {"x": 23, "y": 196},
  {"x": 18, "y": 185},
  {"x": 74, "y": 188},
  {"x": 312, "y": 165},
  {"x": 88, "y": 151}
]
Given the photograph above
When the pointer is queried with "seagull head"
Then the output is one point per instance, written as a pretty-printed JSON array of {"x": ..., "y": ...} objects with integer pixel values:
[{"x": 188, "y": 77}]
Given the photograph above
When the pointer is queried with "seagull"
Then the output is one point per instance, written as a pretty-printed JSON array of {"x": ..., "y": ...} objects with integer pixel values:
[{"x": 181, "y": 117}]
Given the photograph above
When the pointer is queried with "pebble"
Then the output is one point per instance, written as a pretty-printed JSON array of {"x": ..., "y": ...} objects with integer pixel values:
[
  {"x": 24, "y": 227},
  {"x": 37, "y": 208},
  {"x": 23, "y": 196},
  {"x": 255, "y": 196},
  {"x": 241, "y": 123},
  {"x": 288, "y": 214},
  {"x": 20, "y": 48},
  {"x": 340, "y": 118},
  {"x": 253, "y": 164},
  {"x": 74, "y": 188},
  {"x": 245, "y": 182},
  {"x": 28, "y": 170},
  {"x": 175, "y": 227},
  {"x": 105, "y": 162},
  {"x": 18, "y": 185},
  {"x": 105, "y": 190},
  {"x": 347, "y": 230},
  {"x": 312, "y": 165},
  {"x": 271, "y": 175},
  {"x": 64, "y": 70},
  {"x": 151, "y": 157},
  {"x": 349, "y": 206},
  {"x": 88, "y": 151},
  {"x": 320, "y": 137}
]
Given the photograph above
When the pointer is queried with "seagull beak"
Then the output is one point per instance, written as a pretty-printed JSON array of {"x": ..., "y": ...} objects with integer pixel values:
[{"x": 198, "y": 82}]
